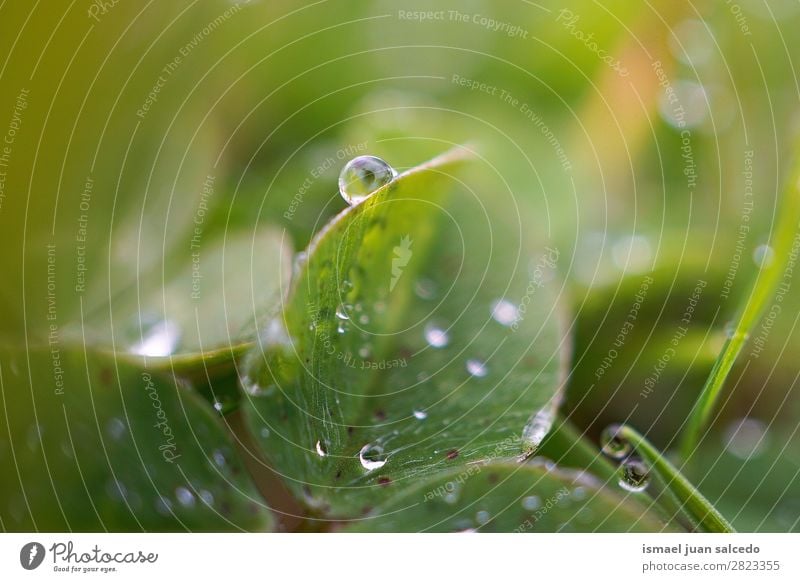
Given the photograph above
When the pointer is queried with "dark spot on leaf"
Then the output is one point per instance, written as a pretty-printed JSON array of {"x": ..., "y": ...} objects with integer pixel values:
[
  {"x": 338, "y": 474},
  {"x": 106, "y": 376},
  {"x": 384, "y": 481},
  {"x": 350, "y": 430},
  {"x": 492, "y": 478},
  {"x": 380, "y": 415},
  {"x": 452, "y": 454}
]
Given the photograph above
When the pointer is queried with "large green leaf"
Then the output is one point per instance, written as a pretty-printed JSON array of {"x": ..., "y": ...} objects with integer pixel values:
[
  {"x": 95, "y": 444},
  {"x": 506, "y": 497},
  {"x": 394, "y": 359}
]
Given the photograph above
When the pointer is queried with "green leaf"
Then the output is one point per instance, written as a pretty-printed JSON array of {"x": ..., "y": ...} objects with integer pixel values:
[
  {"x": 97, "y": 444},
  {"x": 420, "y": 371},
  {"x": 508, "y": 497}
]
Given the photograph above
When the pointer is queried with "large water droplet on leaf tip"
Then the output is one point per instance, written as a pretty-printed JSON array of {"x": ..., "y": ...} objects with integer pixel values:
[{"x": 363, "y": 175}]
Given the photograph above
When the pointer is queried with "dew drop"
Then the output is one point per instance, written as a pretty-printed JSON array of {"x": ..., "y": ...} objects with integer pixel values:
[
  {"x": 436, "y": 336},
  {"x": 634, "y": 476},
  {"x": 425, "y": 289},
  {"x": 116, "y": 428},
  {"x": 341, "y": 312},
  {"x": 363, "y": 175},
  {"x": 364, "y": 352},
  {"x": 264, "y": 433},
  {"x": 420, "y": 414},
  {"x": 531, "y": 502},
  {"x": 159, "y": 340},
  {"x": 763, "y": 256},
  {"x": 483, "y": 517},
  {"x": 613, "y": 444},
  {"x": 184, "y": 497},
  {"x": 219, "y": 458},
  {"x": 372, "y": 457},
  {"x": 207, "y": 497},
  {"x": 476, "y": 368},
  {"x": 321, "y": 451},
  {"x": 504, "y": 312},
  {"x": 537, "y": 428}
]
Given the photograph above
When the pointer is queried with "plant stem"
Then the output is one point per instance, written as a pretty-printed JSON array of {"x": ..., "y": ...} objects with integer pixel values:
[
  {"x": 767, "y": 280},
  {"x": 700, "y": 509}
]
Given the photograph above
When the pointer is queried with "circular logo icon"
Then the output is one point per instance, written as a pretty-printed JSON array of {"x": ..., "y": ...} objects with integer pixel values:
[{"x": 31, "y": 555}]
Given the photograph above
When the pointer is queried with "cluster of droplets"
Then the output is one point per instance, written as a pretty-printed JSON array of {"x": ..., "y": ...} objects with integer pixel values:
[{"x": 634, "y": 473}]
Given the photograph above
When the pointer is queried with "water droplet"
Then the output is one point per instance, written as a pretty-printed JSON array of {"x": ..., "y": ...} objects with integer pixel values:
[
  {"x": 321, "y": 451},
  {"x": 451, "y": 492},
  {"x": 634, "y": 476},
  {"x": 372, "y": 457},
  {"x": 537, "y": 428},
  {"x": 425, "y": 289},
  {"x": 746, "y": 438},
  {"x": 420, "y": 414},
  {"x": 363, "y": 175},
  {"x": 342, "y": 327},
  {"x": 342, "y": 312},
  {"x": 483, "y": 517},
  {"x": 693, "y": 101},
  {"x": 730, "y": 331},
  {"x": 436, "y": 336},
  {"x": 159, "y": 340},
  {"x": 219, "y": 458},
  {"x": 531, "y": 502},
  {"x": 613, "y": 444},
  {"x": 763, "y": 256},
  {"x": 364, "y": 352},
  {"x": 206, "y": 496},
  {"x": 116, "y": 428},
  {"x": 476, "y": 368},
  {"x": 218, "y": 406},
  {"x": 184, "y": 497},
  {"x": 504, "y": 312},
  {"x": 579, "y": 493}
]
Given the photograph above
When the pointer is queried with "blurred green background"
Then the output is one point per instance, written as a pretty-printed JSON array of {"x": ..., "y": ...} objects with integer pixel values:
[{"x": 639, "y": 139}]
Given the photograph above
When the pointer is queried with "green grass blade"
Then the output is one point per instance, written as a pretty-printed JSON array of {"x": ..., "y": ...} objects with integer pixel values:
[
  {"x": 766, "y": 282},
  {"x": 700, "y": 509}
]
